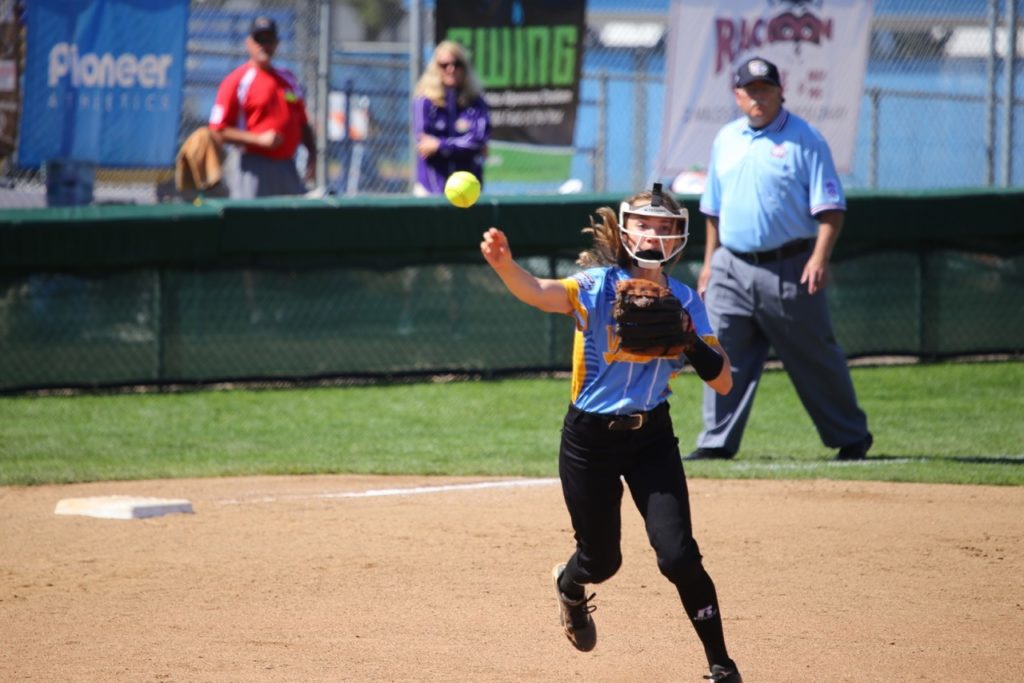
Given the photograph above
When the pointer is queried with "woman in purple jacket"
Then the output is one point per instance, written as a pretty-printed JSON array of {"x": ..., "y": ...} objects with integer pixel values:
[{"x": 451, "y": 120}]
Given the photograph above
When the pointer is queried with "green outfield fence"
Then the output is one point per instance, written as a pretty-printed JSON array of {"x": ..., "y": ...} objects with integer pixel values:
[{"x": 304, "y": 289}]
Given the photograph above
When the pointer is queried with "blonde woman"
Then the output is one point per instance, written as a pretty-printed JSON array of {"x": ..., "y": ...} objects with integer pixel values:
[{"x": 451, "y": 120}]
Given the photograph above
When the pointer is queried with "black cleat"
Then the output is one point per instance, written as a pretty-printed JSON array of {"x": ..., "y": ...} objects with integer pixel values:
[
  {"x": 724, "y": 674},
  {"x": 575, "y": 616},
  {"x": 710, "y": 454},
  {"x": 856, "y": 451}
]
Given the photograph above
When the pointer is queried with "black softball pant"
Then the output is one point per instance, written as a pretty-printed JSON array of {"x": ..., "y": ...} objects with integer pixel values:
[{"x": 592, "y": 463}]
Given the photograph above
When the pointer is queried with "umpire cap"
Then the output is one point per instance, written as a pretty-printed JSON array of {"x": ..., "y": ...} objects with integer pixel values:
[{"x": 757, "y": 69}]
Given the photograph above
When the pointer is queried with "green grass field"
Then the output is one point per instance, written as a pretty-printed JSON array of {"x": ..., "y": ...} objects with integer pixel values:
[
  {"x": 954, "y": 422},
  {"x": 512, "y": 164}
]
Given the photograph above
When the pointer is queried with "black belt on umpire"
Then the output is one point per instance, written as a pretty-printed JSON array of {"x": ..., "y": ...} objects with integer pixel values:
[
  {"x": 620, "y": 423},
  {"x": 785, "y": 251}
]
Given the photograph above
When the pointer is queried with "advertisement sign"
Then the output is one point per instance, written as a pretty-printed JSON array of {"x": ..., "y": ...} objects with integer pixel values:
[
  {"x": 820, "y": 47},
  {"x": 528, "y": 55},
  {"x": 103, "y": 81}
]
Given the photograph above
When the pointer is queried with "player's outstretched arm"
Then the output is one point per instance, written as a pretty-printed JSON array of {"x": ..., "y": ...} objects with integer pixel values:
[{"x": 549, "y": 296}]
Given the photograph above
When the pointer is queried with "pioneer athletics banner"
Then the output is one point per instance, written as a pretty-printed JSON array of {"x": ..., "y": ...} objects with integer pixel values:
[
  {"x": 821, "y": 49},
  {"x": 103, "y": 81},
  {"x": 528, "y": 55}
]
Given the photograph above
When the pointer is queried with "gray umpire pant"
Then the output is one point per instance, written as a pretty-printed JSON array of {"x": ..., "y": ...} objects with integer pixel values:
[{"x": 756, "y": 307}]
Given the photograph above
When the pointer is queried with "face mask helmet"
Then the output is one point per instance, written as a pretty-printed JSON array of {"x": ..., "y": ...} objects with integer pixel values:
[{"x": 654, "y": 258}]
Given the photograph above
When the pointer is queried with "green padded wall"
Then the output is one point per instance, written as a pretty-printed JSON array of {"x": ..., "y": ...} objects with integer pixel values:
[{"x": 300, "y": 288}]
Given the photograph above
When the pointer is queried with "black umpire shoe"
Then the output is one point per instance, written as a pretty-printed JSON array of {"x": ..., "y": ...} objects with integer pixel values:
[
  {"x": 724, "y": 674},
  {"x": 709, "y": 454},
  {"x": 575, "y": 616},
  {"x": 856, "y": 451}
]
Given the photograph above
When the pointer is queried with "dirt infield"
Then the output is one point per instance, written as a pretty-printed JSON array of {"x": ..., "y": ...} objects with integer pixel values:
[{"x": 400, "y": 579}]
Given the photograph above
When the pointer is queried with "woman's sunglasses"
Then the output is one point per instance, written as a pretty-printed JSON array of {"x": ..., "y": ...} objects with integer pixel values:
[{"x": 457, "y": 64}]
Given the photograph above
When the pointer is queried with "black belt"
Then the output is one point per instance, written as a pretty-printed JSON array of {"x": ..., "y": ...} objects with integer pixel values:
[
  {"x": 785, "y": 251},
  {"x": 619, "y": 423}
]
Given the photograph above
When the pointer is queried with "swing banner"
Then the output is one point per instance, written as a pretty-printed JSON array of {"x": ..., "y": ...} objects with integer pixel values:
[{"x": 528, "y": 55}]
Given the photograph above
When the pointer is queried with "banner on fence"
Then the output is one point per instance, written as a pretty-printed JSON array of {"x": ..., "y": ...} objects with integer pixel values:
[
  {"x": 103, "y": 81},
  {"x": 528, "y": 55},
  {"x": 821, "y": 49}
]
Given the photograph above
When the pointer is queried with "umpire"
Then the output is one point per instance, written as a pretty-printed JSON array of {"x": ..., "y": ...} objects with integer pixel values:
[{"x": 775, "y": 206}]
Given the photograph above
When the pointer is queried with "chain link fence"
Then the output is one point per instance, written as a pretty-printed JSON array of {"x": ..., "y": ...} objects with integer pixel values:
[
  {"x": 934, "y": 112},
  {"x": 299, "y": 322}
]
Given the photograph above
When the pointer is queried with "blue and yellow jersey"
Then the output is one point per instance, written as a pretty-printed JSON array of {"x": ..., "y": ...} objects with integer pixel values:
[{"x": 606, "y": 379}]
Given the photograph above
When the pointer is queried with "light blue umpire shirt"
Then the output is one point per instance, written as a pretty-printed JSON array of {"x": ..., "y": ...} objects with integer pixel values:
[{"x": 766, "y": 186}]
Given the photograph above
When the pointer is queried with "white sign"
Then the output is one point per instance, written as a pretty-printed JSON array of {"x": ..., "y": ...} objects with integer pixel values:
[
  {"x": 820, "y": 47},
  {"x": 358, "y": 128}
]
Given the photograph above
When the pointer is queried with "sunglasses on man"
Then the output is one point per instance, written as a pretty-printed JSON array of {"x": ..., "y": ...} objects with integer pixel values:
[{"x": 265, "y": 38}]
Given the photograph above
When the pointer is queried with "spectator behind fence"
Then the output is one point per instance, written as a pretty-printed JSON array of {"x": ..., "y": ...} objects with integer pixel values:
[
  {"x": 451, "y": 120},
  {"x": 260, "y": 108},
  {"x": 775, "y": 206}
]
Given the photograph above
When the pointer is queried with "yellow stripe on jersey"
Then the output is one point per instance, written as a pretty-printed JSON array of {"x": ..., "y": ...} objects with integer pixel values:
[
  {"x": 579, "y": 368},
  {"x": 579, "y": 311},
  {"x": 579, "y": 314}
]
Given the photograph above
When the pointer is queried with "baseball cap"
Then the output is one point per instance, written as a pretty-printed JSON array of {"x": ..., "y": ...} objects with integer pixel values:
[
  {"x": 263, "y": 25},
  {"x": 757, "y": 69}
]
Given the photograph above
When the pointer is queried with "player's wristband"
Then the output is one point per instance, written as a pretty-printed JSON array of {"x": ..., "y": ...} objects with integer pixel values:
[{"x": 705, "y": 360}]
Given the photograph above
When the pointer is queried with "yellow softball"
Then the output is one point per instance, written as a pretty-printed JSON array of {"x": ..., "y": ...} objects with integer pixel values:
[{"x": 462, "y": 189}]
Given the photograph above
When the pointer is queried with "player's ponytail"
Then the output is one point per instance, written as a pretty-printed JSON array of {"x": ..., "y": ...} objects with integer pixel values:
[{"x": 607, "y": 249}]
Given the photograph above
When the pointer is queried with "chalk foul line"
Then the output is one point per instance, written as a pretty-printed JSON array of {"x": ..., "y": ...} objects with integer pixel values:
[{"x": 408, "y": 491}]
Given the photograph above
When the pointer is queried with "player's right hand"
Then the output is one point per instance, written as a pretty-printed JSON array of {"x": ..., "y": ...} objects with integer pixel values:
[{"x": 496, "y": 249}]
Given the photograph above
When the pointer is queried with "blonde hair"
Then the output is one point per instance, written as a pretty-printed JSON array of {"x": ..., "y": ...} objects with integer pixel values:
[
  {"x": 608, "y": 248},
  {"x": 431, "y": 86}
]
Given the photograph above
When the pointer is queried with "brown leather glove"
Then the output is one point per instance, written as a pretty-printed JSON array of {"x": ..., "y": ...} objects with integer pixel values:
[{"x": 651, "y": 321}]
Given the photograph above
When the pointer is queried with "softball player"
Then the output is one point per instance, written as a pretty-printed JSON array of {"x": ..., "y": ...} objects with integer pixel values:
[{"x": 618, "y": 425}]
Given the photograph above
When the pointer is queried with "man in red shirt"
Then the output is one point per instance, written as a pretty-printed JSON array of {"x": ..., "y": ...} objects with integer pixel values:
[{"x": 260, "y": 108}]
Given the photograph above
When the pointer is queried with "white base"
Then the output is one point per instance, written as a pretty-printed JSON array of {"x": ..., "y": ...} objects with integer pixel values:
[{"x": 122, "y": 507}]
